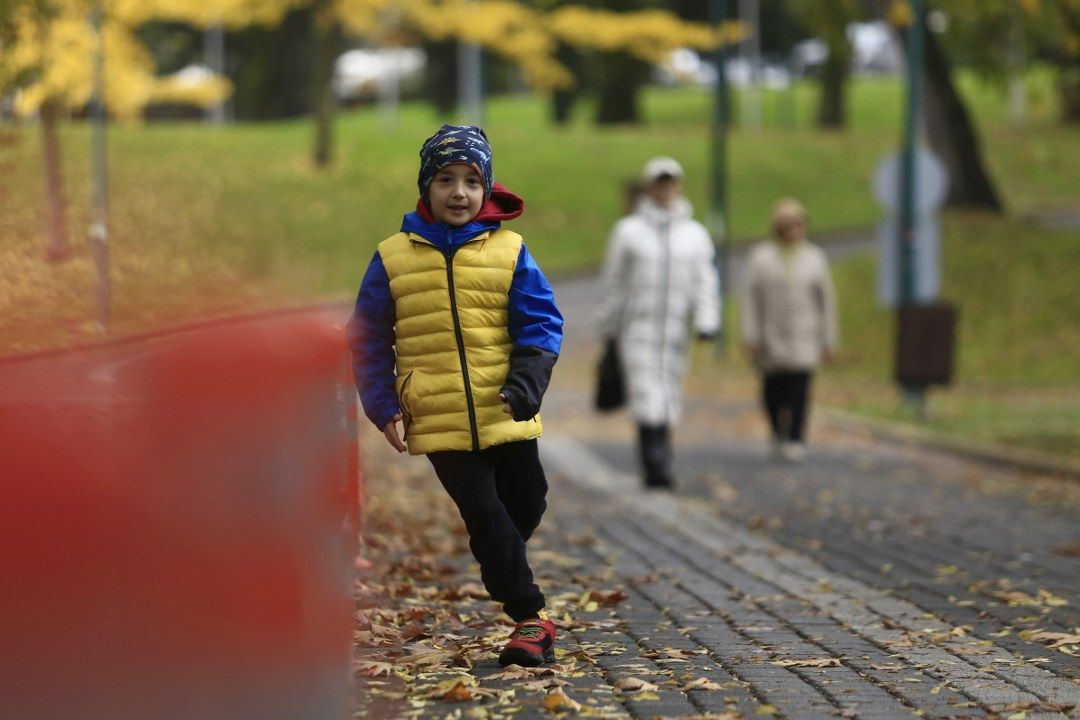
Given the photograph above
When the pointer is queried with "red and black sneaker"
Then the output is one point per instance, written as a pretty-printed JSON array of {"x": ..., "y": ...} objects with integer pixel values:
[{"x": 532, "y": 643}]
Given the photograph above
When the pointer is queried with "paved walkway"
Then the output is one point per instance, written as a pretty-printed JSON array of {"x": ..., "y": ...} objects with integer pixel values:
[{"x": 873, "y": 581}]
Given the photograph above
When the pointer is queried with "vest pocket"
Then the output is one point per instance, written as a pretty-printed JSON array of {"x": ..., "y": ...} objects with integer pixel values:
[{"x": 402, "y": 393}]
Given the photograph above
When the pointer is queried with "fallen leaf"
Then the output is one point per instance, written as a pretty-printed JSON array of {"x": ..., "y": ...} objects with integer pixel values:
[
  {"x": 766, "y": 710},
  {"x": 1036, "y": 706},
  {"x": 458, "y": 693},
  {"x": 544, "y": 683},
  {"x": 606, "y": 598},
  {"x": 808, "y": 662},
  {"x": 513, "y": 672},
  {"x": 701, "y": 684},
  {"x": 1070, "y": 550},
  {"x": 373, "y": 668},
  {"x": 1051, "y": 599},
  {"x": 430, "y": 658},
  {"x": 1052, "y": 639},
  {"x": 557, "y": 701},
  {"x": 633, "y": 684},
  {"x": 730, "y": 715}
]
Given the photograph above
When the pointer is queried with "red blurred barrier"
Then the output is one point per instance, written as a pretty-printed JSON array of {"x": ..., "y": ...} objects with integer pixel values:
[{"x": 179, "y": 522}]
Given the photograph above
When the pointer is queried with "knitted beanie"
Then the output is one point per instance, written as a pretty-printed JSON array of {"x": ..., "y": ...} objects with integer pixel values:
[{"x": 455, "y": 144}]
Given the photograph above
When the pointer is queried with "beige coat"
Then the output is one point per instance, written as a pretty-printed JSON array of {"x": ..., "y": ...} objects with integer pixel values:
[{"x": 789, "y": 306}]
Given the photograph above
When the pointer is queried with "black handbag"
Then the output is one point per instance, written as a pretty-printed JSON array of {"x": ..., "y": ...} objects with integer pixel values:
[{"x": 610, "y": 383}]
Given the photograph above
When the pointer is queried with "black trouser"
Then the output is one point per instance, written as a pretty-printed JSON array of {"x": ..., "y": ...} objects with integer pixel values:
[
  {"x": 500, "y": 493},
  {"x": 785, "y": 402},
  {"x": 654, "y": 444}
]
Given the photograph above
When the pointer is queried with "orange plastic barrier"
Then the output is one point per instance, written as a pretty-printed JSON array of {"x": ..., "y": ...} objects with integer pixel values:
[{"x": 179, "y": 520}]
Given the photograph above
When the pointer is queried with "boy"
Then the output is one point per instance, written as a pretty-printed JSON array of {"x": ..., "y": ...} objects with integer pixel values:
[{"x": 456, "y": 305}]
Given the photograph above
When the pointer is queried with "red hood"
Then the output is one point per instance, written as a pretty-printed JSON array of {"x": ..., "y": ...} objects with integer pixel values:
[{"x": 501, "y": 205}]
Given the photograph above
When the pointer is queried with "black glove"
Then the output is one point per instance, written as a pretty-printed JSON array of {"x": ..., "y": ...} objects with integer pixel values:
[{"x": 527, "y": 380}]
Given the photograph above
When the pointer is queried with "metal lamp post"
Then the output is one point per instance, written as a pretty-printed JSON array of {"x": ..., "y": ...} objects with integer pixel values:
[
  {"x": 914, "y": 395},
  {"x": 718, "y": 196},
  {"x": 99, "y": 226},
  {"x": 470, "y": 83}
]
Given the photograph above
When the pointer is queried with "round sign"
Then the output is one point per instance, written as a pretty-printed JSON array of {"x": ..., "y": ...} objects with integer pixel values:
[{"x": 931, "y": 182}]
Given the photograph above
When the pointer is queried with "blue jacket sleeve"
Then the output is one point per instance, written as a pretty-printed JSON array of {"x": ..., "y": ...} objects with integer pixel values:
[
  {"x": 535, "y": 326},
  {"x": 371, "y": 338},
  {"x": 534, "y": 318}
]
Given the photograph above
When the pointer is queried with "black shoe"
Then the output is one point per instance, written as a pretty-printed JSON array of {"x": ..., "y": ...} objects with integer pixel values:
[{"x": 659, "y": 482}]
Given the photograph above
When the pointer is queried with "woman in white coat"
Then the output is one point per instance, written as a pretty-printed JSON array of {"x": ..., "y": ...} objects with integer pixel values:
[
  {"x": 789, "y": 322},
  {"x": 661, "y": 288}
]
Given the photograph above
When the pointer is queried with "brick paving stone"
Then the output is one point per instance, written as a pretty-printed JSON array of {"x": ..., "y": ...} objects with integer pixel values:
[{"x": 782, "y": 603}]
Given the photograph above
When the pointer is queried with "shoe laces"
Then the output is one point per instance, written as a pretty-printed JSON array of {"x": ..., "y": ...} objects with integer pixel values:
[{"x": 530, "y": 632}]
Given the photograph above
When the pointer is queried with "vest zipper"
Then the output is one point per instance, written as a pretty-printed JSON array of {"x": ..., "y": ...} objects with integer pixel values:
[{"x": 461, "y": 349}]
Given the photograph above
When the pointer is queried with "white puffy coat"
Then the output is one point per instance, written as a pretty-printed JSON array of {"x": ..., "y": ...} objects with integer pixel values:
[{"x": 660, "y": 282}]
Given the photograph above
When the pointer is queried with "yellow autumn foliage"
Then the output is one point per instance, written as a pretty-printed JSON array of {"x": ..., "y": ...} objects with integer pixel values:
[
  {"x": 507, "y": 28},
  {"x": 648, "y": 34},
  {"x": 231, "y": 13},
  {"x": 54, "y": 47},
  {"x": 530, "y": 37},
  {"x": 52, "y": 58}
]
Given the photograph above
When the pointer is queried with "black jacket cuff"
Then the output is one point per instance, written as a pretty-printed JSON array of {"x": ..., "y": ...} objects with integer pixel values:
[{"x": 527, "y": 380}]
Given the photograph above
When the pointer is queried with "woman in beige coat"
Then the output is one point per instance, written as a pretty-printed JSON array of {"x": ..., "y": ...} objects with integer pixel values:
[{"x": 789, "y": 322}]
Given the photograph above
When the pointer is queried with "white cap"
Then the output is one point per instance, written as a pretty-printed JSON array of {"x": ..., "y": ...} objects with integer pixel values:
[{"x": 660, "y": 166}]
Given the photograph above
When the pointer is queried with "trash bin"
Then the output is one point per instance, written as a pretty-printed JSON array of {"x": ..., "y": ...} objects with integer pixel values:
[{"x": 925, "y": 344}]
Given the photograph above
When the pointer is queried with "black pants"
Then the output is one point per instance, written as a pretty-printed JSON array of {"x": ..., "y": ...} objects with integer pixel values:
[
  {"x": 500, "y": 493},
  {"x": 785, "y": 401},
  {"x": 654, "y": 445}
]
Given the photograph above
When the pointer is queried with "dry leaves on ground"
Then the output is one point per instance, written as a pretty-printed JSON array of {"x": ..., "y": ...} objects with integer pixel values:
[
  {"x": 808, "y": 663},
  {"x": 701, "y": 684},
  {"x": 1023, "y": 707},
  {"x": 1068, "y": 643}
]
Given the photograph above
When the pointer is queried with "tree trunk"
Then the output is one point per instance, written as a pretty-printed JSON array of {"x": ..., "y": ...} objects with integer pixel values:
[
  {"x": 325, "y": 103},
  {"x": 59, "y": 247},
  {"x": 441, "y": 76},
  {"x": 275, "y": 68},
  {"x": 562, "y": 101},
  {"x": 621, "y": 77},
  {"x": 1069, "y": 90},
  {"x": 952, "y": 135},
  {"x": 834, "y": 77}
]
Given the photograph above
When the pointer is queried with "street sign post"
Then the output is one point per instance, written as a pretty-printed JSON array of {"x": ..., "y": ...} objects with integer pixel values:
[{"x": 925, "y": 246}]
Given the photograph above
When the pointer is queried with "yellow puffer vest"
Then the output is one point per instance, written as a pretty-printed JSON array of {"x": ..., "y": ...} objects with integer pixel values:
[{"x": 453, "y": 345}]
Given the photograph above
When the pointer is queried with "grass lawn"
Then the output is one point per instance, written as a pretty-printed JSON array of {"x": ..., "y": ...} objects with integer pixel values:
[
  {"x": 1018, "y": 345},
  {"x": 212, "y": 219}
]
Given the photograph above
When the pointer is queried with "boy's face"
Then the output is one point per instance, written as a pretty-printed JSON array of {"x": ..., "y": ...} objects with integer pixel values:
[{"x": 456, "y": 194}]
